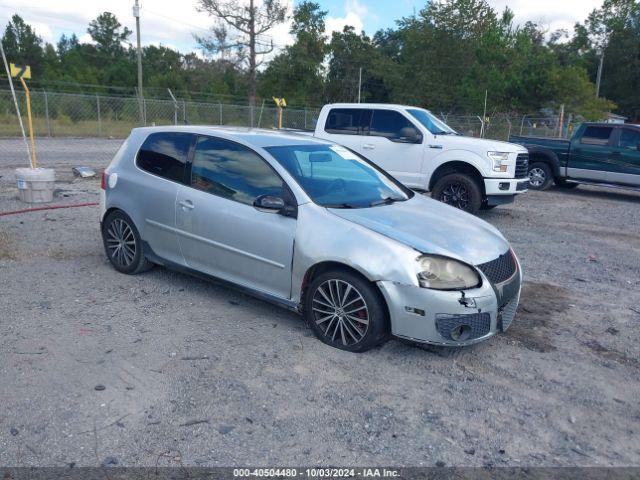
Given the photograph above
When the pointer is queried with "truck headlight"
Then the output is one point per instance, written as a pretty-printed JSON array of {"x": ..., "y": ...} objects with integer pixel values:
[
  {"x": 499, "y": 160},
  {"x": 441, "y": 273}
]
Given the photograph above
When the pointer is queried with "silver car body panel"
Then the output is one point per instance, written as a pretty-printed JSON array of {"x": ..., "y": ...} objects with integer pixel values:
[{"x": 271, "y": 255}]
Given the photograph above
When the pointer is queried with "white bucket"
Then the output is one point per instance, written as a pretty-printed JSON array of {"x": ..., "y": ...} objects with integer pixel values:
[{"x": 35, "y": 185}]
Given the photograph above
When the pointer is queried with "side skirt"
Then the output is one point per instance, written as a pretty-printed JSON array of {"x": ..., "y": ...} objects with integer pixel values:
[
  {"x": 603, "y": 184},
  {"x": 281, "y": 302}
]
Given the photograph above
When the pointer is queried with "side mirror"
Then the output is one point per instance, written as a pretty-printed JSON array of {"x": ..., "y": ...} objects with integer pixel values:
[
  {"x": 408, "y": 135},
  {"x": 269, "y": 202},
  {"x": 275, "y": 204}
]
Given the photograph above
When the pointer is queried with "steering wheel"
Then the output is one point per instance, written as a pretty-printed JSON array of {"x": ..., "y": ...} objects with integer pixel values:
[{"x": 336, "y": 184}]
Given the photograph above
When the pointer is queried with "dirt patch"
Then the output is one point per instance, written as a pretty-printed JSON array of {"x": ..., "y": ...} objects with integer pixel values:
[
  {"x": 611, "y": 354},
  {"x": 7, "y": 250},
  {"x": 540, "y": 306}
]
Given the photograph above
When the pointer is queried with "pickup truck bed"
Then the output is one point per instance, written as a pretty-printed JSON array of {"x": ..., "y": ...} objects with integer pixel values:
[{"x": 556, "y": 144}]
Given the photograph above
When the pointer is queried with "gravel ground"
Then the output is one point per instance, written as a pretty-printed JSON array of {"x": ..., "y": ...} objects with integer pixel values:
[{"x": 199, "y": 374}]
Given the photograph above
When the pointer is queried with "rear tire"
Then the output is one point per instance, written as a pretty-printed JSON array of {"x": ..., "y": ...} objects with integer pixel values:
[
  {"x": 540, "y": 176},
  {"x": 123, "y": 245},
  {"x": 346, "y": 311},
  {"x": 459, "y": 190}
]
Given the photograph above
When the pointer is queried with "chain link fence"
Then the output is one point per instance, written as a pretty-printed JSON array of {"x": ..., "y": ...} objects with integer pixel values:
[
  {"x": 502, "y": 126},
  {"x": 80, "y": 115},
  {"x": 97, "y": 124}
]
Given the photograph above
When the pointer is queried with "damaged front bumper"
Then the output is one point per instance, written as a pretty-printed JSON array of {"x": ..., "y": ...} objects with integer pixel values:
[{"x": 451, "y": 318}]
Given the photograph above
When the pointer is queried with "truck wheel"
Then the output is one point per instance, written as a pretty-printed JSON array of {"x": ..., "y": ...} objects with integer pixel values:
[
  {"x": 540, "y": 176},
  {"x": 460, "y": 191}
]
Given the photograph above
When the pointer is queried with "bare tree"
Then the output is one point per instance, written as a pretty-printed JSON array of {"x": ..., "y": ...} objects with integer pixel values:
[{"x": 241, "y": 29}]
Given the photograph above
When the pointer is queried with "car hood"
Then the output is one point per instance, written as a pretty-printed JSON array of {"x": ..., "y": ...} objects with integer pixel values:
[
  {"x": 432, "y": 227},
  {"x": 479, "y": 144}
]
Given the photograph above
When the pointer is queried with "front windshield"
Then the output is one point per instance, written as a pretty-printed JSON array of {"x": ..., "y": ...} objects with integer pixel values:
[
  {"x": 335, "y": 177},
  {"x": 431, "y": 122}
]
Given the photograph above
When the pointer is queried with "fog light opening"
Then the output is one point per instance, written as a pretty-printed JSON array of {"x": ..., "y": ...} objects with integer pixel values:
[{"x": 460, "y": 333}]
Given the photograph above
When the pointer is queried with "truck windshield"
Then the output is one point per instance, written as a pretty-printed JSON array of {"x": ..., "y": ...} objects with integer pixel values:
[
  {"x": 431, "y": 122},
  {"x": 335, "y": 177}
]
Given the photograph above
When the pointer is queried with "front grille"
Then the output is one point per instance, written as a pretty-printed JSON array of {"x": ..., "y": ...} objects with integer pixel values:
[
  {"x": 522, "y": 165},
  {"x": 507, "y": 313},
  {"x": 479, "y": 324},
  {"x": 522, "y": 186},
  {"x": 500, "y": 269}
]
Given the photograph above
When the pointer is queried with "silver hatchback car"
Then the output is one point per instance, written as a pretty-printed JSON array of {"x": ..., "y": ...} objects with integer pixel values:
[{"x": 312, "y": 226}]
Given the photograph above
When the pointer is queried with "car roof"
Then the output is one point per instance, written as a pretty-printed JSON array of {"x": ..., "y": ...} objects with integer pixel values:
[
  {"x": 389, "y": 106},
  {"x": 610, "y": 124},
  {"x": 259, "y": 137}
]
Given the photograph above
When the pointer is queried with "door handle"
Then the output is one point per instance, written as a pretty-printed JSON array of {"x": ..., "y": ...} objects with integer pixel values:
[
  {"x": 186, "y": 204},
  {"x": 368, "y": 146}
]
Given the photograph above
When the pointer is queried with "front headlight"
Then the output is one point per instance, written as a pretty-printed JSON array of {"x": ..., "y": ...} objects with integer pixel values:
[
  {"x": 442, "y": 273},
  {"x": 499, "y": 160}
]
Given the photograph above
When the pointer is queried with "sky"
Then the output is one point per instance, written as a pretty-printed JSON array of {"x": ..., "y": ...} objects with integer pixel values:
[{"x": 173, "y": 23}]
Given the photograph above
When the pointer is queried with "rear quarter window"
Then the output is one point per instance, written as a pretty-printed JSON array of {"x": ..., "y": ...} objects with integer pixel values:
[
  {"x": 596, "y": 135},
  {"x": 348, "y": 121},
  {"x": 165, "y": 155}
]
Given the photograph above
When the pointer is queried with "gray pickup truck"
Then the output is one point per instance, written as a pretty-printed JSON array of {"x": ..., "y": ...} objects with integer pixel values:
[{"x": 598, "y": 153}]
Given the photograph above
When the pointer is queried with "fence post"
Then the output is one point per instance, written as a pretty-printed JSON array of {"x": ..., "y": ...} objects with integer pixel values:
[
  {"x": 305, "y": 117},
  {"x": 509, "y": 132},
  {"x": 99, "y": 116},
  {"x": 46, "y": 113},
  {"x": 220, "y": 113},
  {"x": 481, "y": 126},
  {"x": 184, "y": 112}
]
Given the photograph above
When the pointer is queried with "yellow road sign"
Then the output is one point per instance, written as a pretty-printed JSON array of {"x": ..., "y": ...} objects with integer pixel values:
[
  {"x": 280, "y": 102},
  {"x": 20, "y": 71}
]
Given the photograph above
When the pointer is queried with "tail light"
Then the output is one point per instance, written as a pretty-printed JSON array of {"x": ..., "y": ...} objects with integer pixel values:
[{"x": 103, "y": 181}]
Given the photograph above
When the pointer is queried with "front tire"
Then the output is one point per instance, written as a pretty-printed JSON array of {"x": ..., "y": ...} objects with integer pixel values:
[
  {"x": 346, "y": 311},
  {"x": 540, "y": 176},
  {"x": 123, "y": 245},
  {"x": 460, "y": 191}
]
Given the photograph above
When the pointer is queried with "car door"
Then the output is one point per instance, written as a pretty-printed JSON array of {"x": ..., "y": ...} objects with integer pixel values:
[
  {"x": 390, "y": 146},
  {"x": 163, "y": 160},
  {"x": 626, "y": 157},
  {"x": 220, "y": 232},
  {"x": 591, "y": 154}
]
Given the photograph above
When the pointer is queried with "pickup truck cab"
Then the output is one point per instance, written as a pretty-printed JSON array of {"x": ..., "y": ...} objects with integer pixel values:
[
  {"x": 598, "y": 153},
  {"x": 427, "y": 155}
]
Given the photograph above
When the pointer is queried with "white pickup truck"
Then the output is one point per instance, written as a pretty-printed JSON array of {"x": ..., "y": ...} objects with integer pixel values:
[{"x": 427, "y": 155}]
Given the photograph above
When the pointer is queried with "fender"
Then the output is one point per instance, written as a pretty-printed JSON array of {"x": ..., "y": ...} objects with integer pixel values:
[
  {"x": 547, "y": 156},
  {"x": 458, "y": 155}
]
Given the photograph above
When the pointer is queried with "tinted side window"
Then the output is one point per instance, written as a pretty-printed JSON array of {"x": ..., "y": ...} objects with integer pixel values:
[
  {"x": 348, "y": 121},
  {"x": 232, "y": 171},
  {"x": 596, "y": 135},
  {"x": 389, "y": 124},
  {"x": 629, "y": 139},
  {"x": 165, "y": 154}
]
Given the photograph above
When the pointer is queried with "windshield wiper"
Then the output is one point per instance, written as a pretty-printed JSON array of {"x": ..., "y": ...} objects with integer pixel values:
[
  {"x": 442, "y": 132},
  {"x": 339, "y": 205},
  {"x": 386, "y": 201}
]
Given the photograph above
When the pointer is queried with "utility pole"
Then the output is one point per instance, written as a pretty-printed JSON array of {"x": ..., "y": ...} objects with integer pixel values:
[
  {"x": 359, "y": 83},
  {"x": 599, "y": 77},
  {"x": 136, "y": 13}
]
